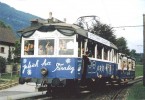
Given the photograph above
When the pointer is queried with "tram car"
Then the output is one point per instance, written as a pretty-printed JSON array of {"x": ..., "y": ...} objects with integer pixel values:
[
  {"x": 126, "y": 67},
  {"x": 52, "y": 55}
]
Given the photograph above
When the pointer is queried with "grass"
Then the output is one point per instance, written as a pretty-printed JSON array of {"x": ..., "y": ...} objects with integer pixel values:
[
  {"x": 9, "y": 76},
  {"x": 137, "y": 91},
  {"x": 139, "y": 70},
  {"x": 2, "y": 81},
  {"x": 5, "y": 77}
]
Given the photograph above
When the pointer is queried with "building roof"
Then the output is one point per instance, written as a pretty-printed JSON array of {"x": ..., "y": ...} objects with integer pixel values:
[{"x": 6, "y": 35}]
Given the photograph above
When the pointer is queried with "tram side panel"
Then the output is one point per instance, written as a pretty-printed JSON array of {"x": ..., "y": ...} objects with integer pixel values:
[
  {"x": 102, "y": 69},
  {"x": 106, "y": 69}
]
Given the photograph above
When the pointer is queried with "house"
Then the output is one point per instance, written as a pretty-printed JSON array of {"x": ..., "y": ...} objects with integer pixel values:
[{"x": 7, "y": 41}]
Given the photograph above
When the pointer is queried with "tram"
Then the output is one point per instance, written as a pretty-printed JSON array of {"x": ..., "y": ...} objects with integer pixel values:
[{"x": 52, "y": 55}]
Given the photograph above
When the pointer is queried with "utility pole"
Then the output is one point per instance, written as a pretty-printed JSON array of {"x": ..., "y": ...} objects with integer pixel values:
[{"x": 144, "y": 49}]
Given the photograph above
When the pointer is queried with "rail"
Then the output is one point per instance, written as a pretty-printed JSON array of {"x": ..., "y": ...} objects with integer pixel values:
[{"x": 131, "y": 82}]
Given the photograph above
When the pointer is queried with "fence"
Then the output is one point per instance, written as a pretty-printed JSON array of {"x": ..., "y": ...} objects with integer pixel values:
[
  {"x": 8, "y": 80},
  {"x": 7, "y": 77}
]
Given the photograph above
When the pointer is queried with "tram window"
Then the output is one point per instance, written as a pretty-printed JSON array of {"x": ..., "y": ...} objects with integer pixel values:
[
  {"x": 40, "y": 49},
  {"x": 29, "y": 47},
  {"x": 105, "y": 53},
  {"x": 115, "y": 56},
  {"x": 124, "y": 63},
  {"x": 66, "y": 46},
  {"x": 83, "y": 47},
  {"x": 99, "y": 52},
  {"x": 46, "y": 47},
  {"x": 129, "y": 64},
  {"x": 79, "y": 49},
  {"x": 91, "y": 49}
]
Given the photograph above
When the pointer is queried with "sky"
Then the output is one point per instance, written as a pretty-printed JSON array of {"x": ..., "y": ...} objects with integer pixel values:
[{"x": 115, "y": 13}]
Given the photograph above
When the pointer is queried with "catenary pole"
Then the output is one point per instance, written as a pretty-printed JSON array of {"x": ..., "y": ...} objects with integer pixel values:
[{"x": 144, "y": 49}]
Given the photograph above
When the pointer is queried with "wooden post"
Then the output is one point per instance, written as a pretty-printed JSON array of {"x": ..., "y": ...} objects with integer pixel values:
[{"x": 144, "y": 49}]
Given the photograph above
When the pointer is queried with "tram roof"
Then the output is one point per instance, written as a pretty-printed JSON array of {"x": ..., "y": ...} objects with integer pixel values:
[{"x": 74, "y": 27}]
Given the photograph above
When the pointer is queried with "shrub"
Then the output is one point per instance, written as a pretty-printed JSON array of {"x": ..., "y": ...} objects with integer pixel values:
[{"x": 2, "y": 64}]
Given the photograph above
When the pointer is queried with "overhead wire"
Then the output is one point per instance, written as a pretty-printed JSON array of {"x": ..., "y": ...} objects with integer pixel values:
[{"x": 128, "y": 26}]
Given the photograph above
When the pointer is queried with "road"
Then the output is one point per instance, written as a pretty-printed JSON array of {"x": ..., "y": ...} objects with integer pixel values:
[{"x": 19, "y": 91}]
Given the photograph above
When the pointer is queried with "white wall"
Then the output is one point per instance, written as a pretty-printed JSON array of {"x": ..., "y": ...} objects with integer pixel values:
[{"x": 6, "y": 51}]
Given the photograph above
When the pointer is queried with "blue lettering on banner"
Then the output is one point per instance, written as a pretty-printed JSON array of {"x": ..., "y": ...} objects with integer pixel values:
[
  {"x": 60, "y": 67},
  {"x": 29, "y": 66},
  {"x": 46, "y": 63}
]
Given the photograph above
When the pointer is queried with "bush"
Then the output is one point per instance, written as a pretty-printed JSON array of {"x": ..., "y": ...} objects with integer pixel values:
[{"x": 2, "y": 64}]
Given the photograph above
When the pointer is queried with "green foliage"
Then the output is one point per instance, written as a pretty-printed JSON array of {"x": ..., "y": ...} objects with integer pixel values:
[
  {"x": 122, "y": 45},
  {"x": 17, "y": 52},
  {"x": 105, "y": 31},
  {"x": 2, "y": 64},
  {"x": 2, "y": 24},
  {"x": 138, "y": 56},
  {"x": 136, "y": 92},
  {"x": 139, "y": 70},
  {"x": 9, "y": 59},
  {"x": 133, "y": 53}
]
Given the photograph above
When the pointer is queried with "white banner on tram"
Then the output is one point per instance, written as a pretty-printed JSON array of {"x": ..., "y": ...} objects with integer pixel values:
[{"x": 98, "y": 39}]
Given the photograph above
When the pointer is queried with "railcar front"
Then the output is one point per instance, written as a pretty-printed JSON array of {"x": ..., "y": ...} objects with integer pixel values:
[{"x": 49, "y": 56}]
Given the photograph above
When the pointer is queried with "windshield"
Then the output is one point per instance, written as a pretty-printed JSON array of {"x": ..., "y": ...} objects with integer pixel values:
[
  {"x": 51, "y": 47},
  {"x": 46, "y": 47},
  {"x": 66, "y": 46}
]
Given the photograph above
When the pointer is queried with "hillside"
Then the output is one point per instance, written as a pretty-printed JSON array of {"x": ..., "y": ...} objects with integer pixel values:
[{"x": 14, "y": 18}]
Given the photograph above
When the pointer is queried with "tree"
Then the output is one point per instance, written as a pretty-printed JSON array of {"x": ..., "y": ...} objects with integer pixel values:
[
  {"x": 9, "y": 59},
  {"x": 17, "y": 52},
  {"x": 138, "y": 56},
  {"x": 122, "y": 45},
  {"x": 105, "y": 31},
  {"x": 2, "y": 24},
  {"x": 133, "y": 53},
  {"x": 92, "y": 24},
  {"x": 2, "y": 64}
]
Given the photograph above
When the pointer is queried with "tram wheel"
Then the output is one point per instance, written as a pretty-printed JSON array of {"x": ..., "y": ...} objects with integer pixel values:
[
  {"x": 21, "y": 80},
  {"x": 49, "y": 90}
]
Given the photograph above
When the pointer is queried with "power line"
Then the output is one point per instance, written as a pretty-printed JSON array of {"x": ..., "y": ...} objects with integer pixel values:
[
  {"x": 140, "y": 45},
  {"x": 128, "y": 26}
]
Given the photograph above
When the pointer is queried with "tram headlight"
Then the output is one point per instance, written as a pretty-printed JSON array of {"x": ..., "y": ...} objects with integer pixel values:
[
  {"x": 100, "y": 76},
  {"x": 44, "y": 71}
]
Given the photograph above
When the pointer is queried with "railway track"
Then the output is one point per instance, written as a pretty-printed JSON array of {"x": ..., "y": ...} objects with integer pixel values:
[
  {"x": 101, "y": 93},
  {"x": 121, "y": 92},
  {"x": 113, "y": 92}
]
